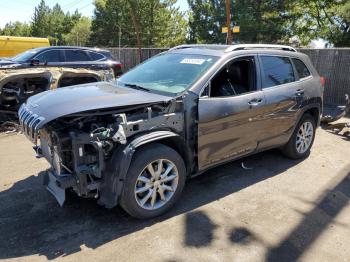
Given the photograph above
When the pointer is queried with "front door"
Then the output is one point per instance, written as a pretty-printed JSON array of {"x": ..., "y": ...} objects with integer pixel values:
[
  {"x": 50, "y": 58},
  {"x": 230, "y": 111}
]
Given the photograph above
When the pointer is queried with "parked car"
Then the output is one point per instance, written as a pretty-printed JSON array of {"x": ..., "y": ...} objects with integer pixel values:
[
  {"x": 16, "y": 85},
  {"x": 64, "y": 56},
  {"x": 136, "y": 141}
]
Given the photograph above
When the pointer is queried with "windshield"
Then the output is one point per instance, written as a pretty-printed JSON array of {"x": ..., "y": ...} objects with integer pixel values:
[
  {"x": 170, "y": 73},
  {"x": 25, "y": 56}
]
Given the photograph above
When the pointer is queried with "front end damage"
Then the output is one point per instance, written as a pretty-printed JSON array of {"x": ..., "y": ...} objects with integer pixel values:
[{"x": 89, "y": 152}]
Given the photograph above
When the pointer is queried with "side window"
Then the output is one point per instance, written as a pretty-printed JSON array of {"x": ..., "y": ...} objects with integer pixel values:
[
  {"x": 276, "y": 71},
  {"x": 95, "y": 56},
  {"x": 236, "y": 78},
  {"x": 301, "y": 68},
  {"x": 76, "y": 56},
  {"x": 49, "y": 56}
]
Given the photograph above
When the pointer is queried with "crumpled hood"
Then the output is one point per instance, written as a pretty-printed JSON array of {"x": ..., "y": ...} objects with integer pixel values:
[{"x": 64, "y": 101}]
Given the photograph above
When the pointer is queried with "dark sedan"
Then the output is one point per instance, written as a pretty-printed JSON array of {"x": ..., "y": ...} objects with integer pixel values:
[{"x": 64, "y": 56}]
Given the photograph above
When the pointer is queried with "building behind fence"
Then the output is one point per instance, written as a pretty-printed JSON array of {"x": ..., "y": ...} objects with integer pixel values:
[{"x": 333, "y": 64}]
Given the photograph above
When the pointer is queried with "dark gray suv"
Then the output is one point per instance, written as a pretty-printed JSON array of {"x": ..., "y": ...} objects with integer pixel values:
[{"x": 136, "y": 141}]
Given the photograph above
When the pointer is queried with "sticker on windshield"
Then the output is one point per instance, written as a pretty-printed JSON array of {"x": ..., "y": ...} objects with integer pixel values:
[{"x": 192, "y": 61}]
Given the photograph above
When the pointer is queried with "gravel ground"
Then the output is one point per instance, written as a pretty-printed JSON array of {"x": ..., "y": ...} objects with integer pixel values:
[{"x": 281, "y": 210}]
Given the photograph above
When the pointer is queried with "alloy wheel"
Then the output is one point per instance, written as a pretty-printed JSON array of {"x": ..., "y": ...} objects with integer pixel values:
[
  {"x": 304, "y": 137},
  {"x": 156, "y": 184}
]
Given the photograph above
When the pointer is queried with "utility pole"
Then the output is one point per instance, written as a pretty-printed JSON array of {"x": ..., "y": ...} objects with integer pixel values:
[
  {"x": 120, "y": 36},
  {"x": 228, "y": 22}
]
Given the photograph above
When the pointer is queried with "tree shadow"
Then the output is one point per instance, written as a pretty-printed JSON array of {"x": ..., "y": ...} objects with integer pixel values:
[
  {"x": 32, "y": 222},
  {"x": 326, "y": 208},
  {"x": 242, "y": 236},
  {"x": 199, "y": 229}
]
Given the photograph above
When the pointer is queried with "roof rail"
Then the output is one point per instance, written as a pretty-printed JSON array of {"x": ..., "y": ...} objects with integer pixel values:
[
  {"x": 259, "y": 46},
  {"x": 180, "y": 47},
  {"x": 198, "y": 46}
]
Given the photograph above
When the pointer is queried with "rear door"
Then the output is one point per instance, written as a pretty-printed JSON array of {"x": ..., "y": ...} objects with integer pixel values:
[
  {"x": 83, "y": 59},
  {"x": 77, "y": 58},
  {"x": 284, "y": 96}
]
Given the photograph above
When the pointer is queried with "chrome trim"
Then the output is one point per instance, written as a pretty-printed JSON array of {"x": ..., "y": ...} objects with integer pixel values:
[{"x": 29, "y": 123}]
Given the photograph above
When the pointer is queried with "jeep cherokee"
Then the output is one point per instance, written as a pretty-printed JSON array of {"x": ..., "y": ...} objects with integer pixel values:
[{"x": 136, "y": 141}]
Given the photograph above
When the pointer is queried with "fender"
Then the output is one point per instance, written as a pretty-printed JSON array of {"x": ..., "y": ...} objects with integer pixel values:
[
  {"x": 118, "y": 166},
  {"x": 313, "y": 104}
]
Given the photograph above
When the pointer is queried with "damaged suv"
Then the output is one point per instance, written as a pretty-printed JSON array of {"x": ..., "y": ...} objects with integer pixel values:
[{"x": 136, "y": 141}]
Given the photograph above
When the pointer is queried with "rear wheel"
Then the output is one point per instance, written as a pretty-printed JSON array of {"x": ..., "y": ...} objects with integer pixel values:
[
  {"x": 300, "y": 143},
  {"x": 154, "y": 181}
]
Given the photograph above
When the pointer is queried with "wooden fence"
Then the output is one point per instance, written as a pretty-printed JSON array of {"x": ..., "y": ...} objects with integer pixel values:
[
  {"x": 129, "y": 56},
  {"x": 333, "y": 64}
]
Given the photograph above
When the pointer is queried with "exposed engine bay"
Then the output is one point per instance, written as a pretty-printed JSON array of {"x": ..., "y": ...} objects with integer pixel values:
[{"x": 81, "y": 147}]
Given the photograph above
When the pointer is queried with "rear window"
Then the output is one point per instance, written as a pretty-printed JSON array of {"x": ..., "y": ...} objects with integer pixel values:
[
  {"x": 95, "y": 56},
  {"x": 301, "y": 68},
  {"x": 76, "y": 56},
  {"x": 107, "y": 54},
  {"x": 276, "y": 71}
]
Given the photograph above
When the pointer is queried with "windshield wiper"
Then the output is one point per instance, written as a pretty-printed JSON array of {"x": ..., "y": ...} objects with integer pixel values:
[{"x": 136, "y": 87}]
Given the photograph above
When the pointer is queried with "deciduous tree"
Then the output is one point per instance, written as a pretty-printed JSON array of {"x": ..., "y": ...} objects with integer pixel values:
[
  {"x": 327, "y": 19},
  {"x": 16, "y": 29},
  {"x": 80, "y": 33},
  {"x": 259, "y": 20}
]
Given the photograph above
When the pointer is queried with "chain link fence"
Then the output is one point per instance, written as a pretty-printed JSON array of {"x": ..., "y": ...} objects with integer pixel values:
[{"x": 334, "y": 65}]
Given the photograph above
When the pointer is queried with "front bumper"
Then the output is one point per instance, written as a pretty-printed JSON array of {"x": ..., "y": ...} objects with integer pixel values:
[{"x": 57, "y": 185}]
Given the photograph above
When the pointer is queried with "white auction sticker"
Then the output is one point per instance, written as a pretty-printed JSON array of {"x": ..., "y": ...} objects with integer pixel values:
[{"x": 192, "y": 61}]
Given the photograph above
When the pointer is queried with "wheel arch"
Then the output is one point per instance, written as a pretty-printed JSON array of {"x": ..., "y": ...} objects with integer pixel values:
[
  {"x": 314, "y": 109},
  {"x": 118, "y": 166},
  {"x": 315, "y": 113}
]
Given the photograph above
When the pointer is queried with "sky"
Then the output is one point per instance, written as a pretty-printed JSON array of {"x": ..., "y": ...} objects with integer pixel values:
[{"x": 22, "y": 10}]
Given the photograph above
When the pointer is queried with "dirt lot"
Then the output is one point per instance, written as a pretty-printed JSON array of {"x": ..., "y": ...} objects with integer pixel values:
[{"x": 282, "y": 210}]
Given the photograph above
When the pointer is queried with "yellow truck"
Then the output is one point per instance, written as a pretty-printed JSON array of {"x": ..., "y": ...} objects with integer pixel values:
[{"x": 13, "y": 45}]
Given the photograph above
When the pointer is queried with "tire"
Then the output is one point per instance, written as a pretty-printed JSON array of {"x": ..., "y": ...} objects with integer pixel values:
[
  {"x": 140, "y": 179},
  {"x": 292, "y": 148}
]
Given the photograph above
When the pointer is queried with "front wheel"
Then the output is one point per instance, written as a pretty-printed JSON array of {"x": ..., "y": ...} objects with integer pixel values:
[
  {"x": 300, "y": 143},
  {"x": 154, "y": 181}
]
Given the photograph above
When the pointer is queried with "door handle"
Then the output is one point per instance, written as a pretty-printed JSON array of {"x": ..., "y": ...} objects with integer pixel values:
[
  {"x": 255, "y": 101},
  {"x": 300, "y": 92}
]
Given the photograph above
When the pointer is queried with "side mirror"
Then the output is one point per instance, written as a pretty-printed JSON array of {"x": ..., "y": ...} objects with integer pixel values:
[{"x": 34, "y": 62}]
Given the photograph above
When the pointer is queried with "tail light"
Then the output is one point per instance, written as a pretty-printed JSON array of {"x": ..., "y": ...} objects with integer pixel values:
[
  {"x": 322, "y": 81},
  {"x": 118, "y": 70}
]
